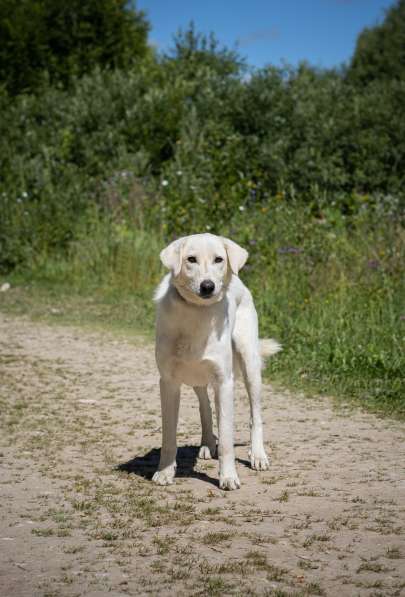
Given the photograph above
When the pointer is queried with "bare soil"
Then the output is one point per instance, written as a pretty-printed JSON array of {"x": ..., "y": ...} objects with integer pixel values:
[{"x": 80, "y": 433}]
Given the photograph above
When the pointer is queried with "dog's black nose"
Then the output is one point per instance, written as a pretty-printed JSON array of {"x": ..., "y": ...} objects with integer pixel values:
[{"x": 206, "y": 288}]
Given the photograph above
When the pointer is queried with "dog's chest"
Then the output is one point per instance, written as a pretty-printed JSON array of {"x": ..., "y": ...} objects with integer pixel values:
[
  {"x": 189, "y": 347},
  {"x": 193, "y": 344},
  {"x": 196, "y": 358}
]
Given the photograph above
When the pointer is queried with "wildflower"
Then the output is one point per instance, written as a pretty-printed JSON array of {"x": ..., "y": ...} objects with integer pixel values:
[
  {"x": 241, "y": 208},
  {"x": 373, "y": 263},
  {"x": 208, "y": 227},
  {"x": 165, "y": 182},
  {"x": 179, "y": 172},
  {"x": 24, "y": 194},
  {"x": 289, "y": 251}
]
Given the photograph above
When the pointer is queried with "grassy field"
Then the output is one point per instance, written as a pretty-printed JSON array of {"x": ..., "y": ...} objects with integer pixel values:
[{"x": 330, "y": 292}]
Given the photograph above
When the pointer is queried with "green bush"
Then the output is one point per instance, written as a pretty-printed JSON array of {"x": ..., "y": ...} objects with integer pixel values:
[{"x": 235, "y": 143}]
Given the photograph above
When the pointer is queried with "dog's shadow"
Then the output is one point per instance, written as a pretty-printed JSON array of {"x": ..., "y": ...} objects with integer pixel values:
[{"x": 187, "y": 458}]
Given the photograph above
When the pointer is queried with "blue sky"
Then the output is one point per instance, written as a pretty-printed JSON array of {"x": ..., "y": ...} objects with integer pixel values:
[{"x": 323, "y": 32}]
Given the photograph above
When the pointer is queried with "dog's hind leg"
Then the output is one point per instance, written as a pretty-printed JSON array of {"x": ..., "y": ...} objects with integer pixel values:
[
  {"x": 208, "y": 439},
  {"x": 252, "y": 378},
  {"x": 246, "y": 345}
]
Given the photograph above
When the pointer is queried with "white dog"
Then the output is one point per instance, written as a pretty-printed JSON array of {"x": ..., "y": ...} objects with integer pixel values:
[{"x": 206, "y": 326}]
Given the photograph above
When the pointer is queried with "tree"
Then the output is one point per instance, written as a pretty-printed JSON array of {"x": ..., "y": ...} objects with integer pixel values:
[
  {"x": 193, "y": 50},
  {"x": 380, "y": 51},
  {"x": 66, "y": 39}
]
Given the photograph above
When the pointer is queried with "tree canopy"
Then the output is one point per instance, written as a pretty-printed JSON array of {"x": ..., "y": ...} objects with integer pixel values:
[
  {"x": 380, "y": 50},
  {"x": 66, "y": 39}
]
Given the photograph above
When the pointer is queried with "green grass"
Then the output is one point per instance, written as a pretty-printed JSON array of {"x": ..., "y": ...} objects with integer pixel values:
[
  {"x": 330, "y": 292},
  {"x": 93, "y": 309}
]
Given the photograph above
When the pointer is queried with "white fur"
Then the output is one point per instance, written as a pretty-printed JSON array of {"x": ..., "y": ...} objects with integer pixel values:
[{"x": 200, "y": 342}]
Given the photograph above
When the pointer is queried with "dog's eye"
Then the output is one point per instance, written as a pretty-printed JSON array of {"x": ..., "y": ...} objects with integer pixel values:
[
  {"x": 218, "y": 259},
  {"x": 191, "y": 259}
]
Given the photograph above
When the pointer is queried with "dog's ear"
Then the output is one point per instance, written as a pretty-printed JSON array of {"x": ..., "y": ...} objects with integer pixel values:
[
  {"x": 171, "y": 256},
  {"x": 237, "y": 256}
]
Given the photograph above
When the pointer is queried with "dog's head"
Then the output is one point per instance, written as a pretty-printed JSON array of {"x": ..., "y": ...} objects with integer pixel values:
[{"x": 202, "y": 266}]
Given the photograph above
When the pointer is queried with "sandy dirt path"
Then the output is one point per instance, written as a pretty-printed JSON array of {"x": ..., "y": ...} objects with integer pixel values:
[{"x": 80, "y": 432}]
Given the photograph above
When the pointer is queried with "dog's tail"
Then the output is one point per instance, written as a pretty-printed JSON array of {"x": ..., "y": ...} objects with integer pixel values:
[{"x": 268, "y": 347}]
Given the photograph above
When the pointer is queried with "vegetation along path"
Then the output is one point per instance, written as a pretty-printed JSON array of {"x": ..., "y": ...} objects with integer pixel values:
[{"x": 80, "y": 419}]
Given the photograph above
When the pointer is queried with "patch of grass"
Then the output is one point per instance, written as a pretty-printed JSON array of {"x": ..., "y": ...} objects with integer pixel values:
[
  {"x": 210, "y": 511},
  {"x": 43, "y": 532},
  {"x": 84, "y": 505},
  {"x": 228, "y": 567},
  {"x": 73, "y": 549},
  {"x": 214, "y": 585},
  {"x": 258, "y": 539},
  {"x": 163, "y": 544},
  {"x": 309, "y": 493},
  {"x": 215, "y": 538},
  {"x": 63, "y": 532},
  {"x": 106, "y": 535},
  {"x": 307, "y": 565},
  {"x": 316, "y": 537},
  {"x": 271, "y": 480},
  {"x": 92, "y": 308},
  {"x": 394, "y": 553},
  {"x": 371, "y": 567},
  {"x": 283, "y": 497},
  {"x": 259, "y": 561},
  {"x": 314, "y": 588}
]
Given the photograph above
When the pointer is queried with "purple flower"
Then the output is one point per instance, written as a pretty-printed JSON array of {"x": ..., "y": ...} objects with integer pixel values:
[
  {"x": 373, "y": 264},
  {"x": 289, "y": 251}
]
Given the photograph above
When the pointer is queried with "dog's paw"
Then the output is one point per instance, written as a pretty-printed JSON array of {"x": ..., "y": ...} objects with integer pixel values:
[
  {"x": 165, "y": 476},
  {"x": 229, "y": 483},
  {"x": 208, "y": 450},
  {"x": 259, "y": 461},
  {"x": 205, "y": 453}
]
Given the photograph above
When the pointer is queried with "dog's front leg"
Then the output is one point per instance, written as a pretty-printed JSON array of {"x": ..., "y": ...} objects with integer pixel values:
[
  {"x": 169, "y": 399},
  {"x": 228, "y": 478}
]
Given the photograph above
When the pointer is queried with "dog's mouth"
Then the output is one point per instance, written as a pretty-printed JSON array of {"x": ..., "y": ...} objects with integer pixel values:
[{"x": 191, "y": 296}]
